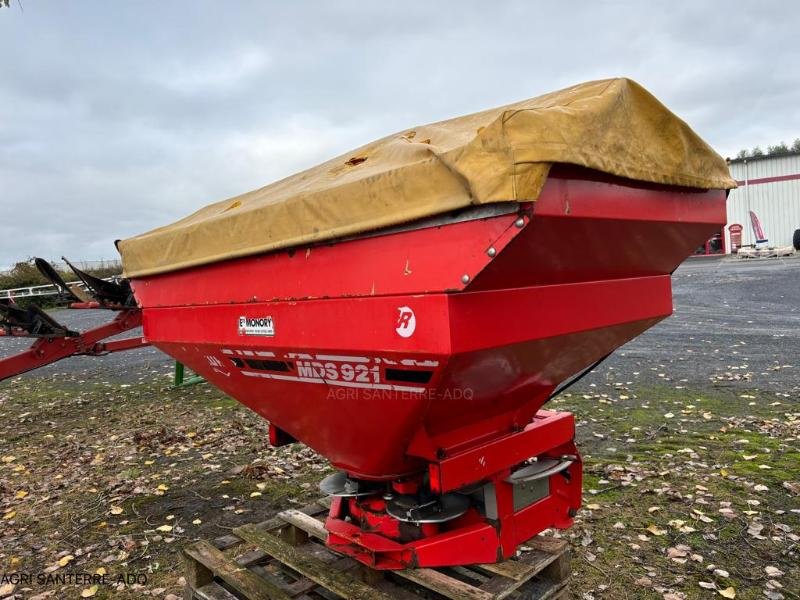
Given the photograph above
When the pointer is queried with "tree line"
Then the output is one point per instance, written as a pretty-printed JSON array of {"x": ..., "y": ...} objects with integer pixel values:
[{"x": 781, "y": 149}]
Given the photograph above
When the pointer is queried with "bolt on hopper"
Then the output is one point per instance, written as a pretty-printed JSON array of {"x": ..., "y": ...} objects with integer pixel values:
[{"x": 407, "y": 309}]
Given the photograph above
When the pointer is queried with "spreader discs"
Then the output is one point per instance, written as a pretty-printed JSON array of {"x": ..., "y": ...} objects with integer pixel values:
[
  {"x": 339, "y": 484},
  {"x": 439, "y": 510}
]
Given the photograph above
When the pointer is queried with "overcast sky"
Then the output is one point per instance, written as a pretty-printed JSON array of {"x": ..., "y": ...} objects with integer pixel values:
[{"x": 119, "y": 117}]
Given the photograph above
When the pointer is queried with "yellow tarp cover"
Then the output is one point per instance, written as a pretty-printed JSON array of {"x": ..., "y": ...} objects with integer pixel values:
[{"x": 502, "y": 154}]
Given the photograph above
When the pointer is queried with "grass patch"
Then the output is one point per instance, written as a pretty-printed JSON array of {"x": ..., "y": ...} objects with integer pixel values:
[
  {"x": 685, "y": 487},
  {"x": 122, "y": 476}
]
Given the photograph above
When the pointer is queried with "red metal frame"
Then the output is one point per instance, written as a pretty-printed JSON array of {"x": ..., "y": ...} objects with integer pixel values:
[
  {"x": 400, "y": 267},
  {"x": 477, "y": 540},
  {"x": 45, "y": 351},
  {"x": 548, "y": 430}
]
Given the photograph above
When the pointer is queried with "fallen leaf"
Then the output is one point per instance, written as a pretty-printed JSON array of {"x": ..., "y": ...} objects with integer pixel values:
[
  {"x": 721, "y": 573},
  {"x": 675, "y": 553},
  {"x": 164, "y": 528},
  {"x": 705, "y": 519},
  {"x": 9, "y": 515},
  {"x": 655, "y": 530},
  {"x": 728, "y": 592},
  {"x": 89, "y": 592},
  {"x": 755, "y": 529},
  {"x": 116, "y": 510},
  {"x": 65, "y": 560},
  {"x": 676, "y": 523},
  {"x": 707, "y": 585},
  {"x": 773, "y": 571}
]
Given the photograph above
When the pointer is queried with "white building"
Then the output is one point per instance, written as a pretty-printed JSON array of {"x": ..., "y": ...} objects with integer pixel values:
[{"x": 770, "y": 187}]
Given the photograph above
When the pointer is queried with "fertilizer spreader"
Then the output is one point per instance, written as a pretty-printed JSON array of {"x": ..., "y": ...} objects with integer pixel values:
[{"x": 407, "y": 309}]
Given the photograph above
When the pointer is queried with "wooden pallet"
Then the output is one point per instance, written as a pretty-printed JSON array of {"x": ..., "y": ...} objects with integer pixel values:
[{"x": 285, "y": 558}]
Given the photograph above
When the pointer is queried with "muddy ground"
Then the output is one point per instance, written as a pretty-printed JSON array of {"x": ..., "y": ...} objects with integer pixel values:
[{"x": 690, "y": 434}]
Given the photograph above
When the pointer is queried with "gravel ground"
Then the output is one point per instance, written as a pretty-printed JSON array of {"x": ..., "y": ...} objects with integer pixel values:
[{"x": 735, "y": 322}]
